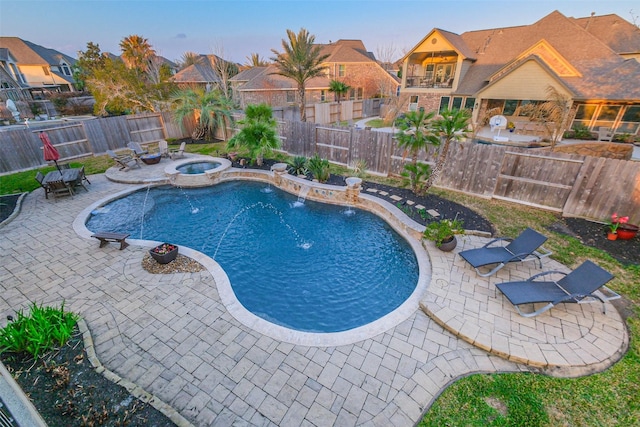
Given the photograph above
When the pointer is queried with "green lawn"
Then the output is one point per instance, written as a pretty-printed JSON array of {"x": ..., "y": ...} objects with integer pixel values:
[{"x": 610, "y": 398}]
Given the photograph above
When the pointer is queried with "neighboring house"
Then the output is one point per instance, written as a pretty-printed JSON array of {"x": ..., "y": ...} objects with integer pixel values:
[
  {"x": 204, "y": 72},
  {"x": 348, "y": 62},
  {"x": 12, "y": 83},
  {"x": 594, "y": 61},
  {"x": 39, "y": 69}
]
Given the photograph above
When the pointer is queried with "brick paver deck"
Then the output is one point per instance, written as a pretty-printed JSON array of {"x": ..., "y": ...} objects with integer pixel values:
[{"x": 173, "y": 337}]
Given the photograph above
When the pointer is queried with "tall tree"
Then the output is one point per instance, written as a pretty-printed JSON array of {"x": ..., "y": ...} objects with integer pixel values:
[
  {"x": 136, "y": 52},
  {"x": 212, "y": 110},
  {"x": 300, "y": 61},
  {"x": 451, "y": 126},
  {"x": 88, "y": 61},
  {"x": 414, "y": 135}
]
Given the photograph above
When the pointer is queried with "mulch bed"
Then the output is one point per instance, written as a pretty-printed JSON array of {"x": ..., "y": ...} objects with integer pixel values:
[{"x": 68, "y": 392}]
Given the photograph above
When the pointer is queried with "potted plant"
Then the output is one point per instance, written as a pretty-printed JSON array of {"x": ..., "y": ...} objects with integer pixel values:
[
  {"x": 164, "y": 253},
  {"x": 443, "y": 233},
  {"x": 614, "y": 224},
  {"x": 511, "y": 126},
  {"x": 619, "y": 228}
]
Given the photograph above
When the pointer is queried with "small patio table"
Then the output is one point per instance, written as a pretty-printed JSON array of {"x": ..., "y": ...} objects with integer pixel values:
[{"x": 69, "y": 176}]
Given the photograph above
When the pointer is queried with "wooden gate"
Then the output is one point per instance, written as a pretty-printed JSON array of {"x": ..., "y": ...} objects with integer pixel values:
[{"x": 537, "y": 180}]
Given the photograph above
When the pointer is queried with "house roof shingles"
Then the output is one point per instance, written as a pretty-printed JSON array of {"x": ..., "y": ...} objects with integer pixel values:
[{"x": 597, "y": 63}]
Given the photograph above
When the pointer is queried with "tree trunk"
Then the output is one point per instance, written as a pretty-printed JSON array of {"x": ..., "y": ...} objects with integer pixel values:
[
  {"x": 303, "y": 109},
  {"x": 435, "y": 174}
]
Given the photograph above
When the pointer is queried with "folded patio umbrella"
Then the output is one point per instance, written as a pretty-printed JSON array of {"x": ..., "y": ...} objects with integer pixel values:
[{"x": 50, "y": 152}]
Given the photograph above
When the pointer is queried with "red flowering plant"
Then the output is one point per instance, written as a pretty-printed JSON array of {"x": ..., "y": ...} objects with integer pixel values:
[
  {"x": 164, "y": 248},
  {"x": 616, "y": 221}
]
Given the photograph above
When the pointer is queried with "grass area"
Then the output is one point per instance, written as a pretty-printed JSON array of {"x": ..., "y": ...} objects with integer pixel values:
[
  {"x": 609, "y": 398},
  {"x": 376, "y": 123}
]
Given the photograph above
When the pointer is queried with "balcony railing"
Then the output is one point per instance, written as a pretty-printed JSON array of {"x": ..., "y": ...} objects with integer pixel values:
[{"x": 417, "y": 82}]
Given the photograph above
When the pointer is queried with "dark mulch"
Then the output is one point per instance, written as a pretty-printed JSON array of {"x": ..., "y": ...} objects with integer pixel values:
[{"x": 68, "y": 392}]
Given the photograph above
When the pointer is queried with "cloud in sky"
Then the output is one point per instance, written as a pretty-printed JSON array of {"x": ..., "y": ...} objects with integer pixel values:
[{"x": 181, "y": 36}]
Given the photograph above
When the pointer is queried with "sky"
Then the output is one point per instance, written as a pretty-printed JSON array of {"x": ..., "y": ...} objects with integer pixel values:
[{"x": 236, "y": 29}]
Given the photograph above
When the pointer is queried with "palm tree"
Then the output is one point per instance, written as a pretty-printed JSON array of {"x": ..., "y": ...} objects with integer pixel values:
[
  {"x": 451, "y": 126},
  {"x": 189, "y": 58},
  {"x": 300, "y": 61},
  {"x": 415, "y": 134},
  {"x": 254, "y": 60},
  {"x": 258, "y": 134},
  {"x": 136, "y": 52},
  {"x": 212, "y": 110},
  {"x": 338, "y": 88}
]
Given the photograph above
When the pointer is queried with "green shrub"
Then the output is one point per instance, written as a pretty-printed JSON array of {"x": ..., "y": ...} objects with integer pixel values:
[
  {"x": 298, "y": 165},
  {"x": 43, "y": 329},
  {"x": 320, "y": 168}
]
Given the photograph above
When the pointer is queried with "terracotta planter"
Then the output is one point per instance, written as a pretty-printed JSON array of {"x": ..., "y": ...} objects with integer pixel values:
[
  {"x": 448, "y": 246},
  {"x": 627, "y": 231},
  {"x": 164, "y": 258},
  {"x": 612, "y": 236}
]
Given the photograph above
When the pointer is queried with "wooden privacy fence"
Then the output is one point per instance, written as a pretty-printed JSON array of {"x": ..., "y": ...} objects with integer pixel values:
[{"x": 588, "y": 187}]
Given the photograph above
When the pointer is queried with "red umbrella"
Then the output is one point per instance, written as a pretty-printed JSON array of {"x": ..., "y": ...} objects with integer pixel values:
[{"x": 50, "y": 152}]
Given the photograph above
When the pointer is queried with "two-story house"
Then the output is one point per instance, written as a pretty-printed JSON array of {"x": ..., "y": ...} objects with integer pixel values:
[
  {"x": 593, "y": 61},
  {"x": 348, "y": 61},
  {"x": 36, "y": 68}
]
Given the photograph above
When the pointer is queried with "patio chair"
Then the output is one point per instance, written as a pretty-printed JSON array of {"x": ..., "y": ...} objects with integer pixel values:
[
  {"x": 60, "y": 188},
  {"x": 82, "y": 177},
  {"x": 585, "y": 284},
  {"x": 137, "y": 149},
  {"x": 40, "y": 179},
  {"x": 179, "y": 153},
  {"x": 526, "y": 247},
  {"x": 605, "y": 134},
  {"x": 163, "y": 148},
  {"x": 124, "y": 160}
]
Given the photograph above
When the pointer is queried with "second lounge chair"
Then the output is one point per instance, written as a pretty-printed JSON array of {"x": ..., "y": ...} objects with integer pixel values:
[{"x": 525, "y": 247}]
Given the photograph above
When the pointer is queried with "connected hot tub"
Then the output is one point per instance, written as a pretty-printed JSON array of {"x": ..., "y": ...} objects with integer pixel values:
[{"x": 198, "y": 172}]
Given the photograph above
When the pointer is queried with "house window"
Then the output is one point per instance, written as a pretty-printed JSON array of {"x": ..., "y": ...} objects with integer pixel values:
[
  {"x": 607, "y": 116},
  {"x": 65, "y": 69},
  {"x": 584, "y": 115},
  {"x": 323, "y": 95},
  {"x": 457, "y": 103},
  {"x": 630, "y": 120},
  {"x": 413, "y": 103},
  {"x": 398, "y": 90},
  {"x": 359, "y": 93},
  {"x": 291, "y": 96},
  {"x": 444, "y": 103},
  {"x": 341, "y": 70},
  {"x": 352, "y": 94},
  {"x": 469, "y": 103},
  {"x": 444, "y": 75},
  {"x": 45, "y": 70},
  {"x": 510, "y": 106}
]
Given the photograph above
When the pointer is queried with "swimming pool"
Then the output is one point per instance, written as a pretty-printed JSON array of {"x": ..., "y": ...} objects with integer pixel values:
[
  {"x": 312, "y": 267},
  {"x": 197, "y": 167}
]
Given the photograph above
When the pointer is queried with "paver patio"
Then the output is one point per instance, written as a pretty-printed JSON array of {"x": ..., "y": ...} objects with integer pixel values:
[{"x": 173, "y": 337}]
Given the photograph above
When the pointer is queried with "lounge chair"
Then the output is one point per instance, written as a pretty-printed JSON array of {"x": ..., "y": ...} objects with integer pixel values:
[
  {"x": 584, "y": 284},
  {"x": 525, "y": 247},
  {"x": 124, "y": 160},
  {"x": 137, "y": 149},
  {"x": 40, "y": 179},
  {"x": 179, "y": 153}
]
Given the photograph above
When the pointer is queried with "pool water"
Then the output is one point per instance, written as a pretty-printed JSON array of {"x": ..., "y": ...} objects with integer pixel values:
[
  {"x": 197, "y": 167},
  {"x": 309, "y": 266}
]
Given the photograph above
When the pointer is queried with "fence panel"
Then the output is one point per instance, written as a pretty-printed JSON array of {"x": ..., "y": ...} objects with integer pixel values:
[
  {"x": 333, "y": 144},
  {"x": 472, "y": 168},
  {"x": 536, "y": 179},
  {"x": 109, "y": 133},
  {"x": 606, "y": 186},
  {"x": 145, "y": 129}
]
